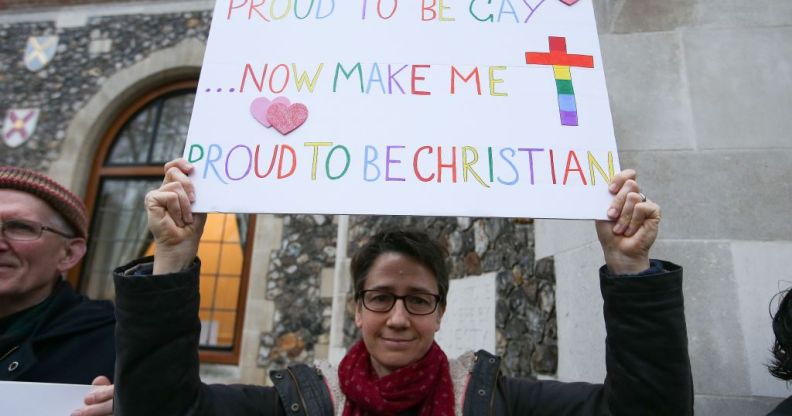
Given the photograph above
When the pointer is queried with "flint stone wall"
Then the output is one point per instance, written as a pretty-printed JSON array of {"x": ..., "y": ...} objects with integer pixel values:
[
  {"x": 302, "y": 316},
  {"x": 86, "y": 56},
  {"x": 525, "y": 318}
]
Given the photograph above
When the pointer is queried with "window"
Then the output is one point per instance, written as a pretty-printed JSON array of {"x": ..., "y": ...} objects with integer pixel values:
[{"x": 128, "y": 164}]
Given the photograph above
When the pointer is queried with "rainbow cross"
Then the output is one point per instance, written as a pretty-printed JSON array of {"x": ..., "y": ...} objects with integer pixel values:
[{"x": 561, "y": 62}]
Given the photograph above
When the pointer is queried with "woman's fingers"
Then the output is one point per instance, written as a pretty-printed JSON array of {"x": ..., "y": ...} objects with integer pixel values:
[
  {"x": 621, "y": 185},
  {"x": 643, "y": 211},
  {"x": 178, "y": 174},
  {"x": 179, "y": 204},
  {"x": 620, "y": 178},
  {"x": 627, "y": 214},
  {"x": 619, "y": 205},
  {"x": 174, "y": 197},
  {"x": 181, "y": 164},
  {"x": 164, "y": 205}
]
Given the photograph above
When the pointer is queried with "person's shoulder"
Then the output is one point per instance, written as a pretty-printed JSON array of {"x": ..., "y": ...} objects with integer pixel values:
[
  {"x": 96, "y": 308},
  {"x": 74, "y": 312},
  {"x": 83, "y": 305},
  {"x": 474, "y": 376},
  {"x": 465, "y": 361}
]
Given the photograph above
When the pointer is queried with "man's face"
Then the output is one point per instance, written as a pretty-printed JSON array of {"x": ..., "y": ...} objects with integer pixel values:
[
  {"x": 30, "y": 269},
  {"x": 397, "y": 338}
]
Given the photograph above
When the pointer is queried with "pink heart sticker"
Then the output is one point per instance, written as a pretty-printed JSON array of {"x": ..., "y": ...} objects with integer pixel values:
[
  {"x": 287, "y": 118},
  {"x": 569, "y": 2},
  {"x": 259, "y": 107}
]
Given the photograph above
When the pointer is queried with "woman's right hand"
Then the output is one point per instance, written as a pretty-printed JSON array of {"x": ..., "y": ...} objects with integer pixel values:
[{"x": 176, "y": 229}]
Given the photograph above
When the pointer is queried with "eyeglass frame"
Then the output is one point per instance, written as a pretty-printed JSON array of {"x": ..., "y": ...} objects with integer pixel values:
[
  {"x": 361, "y": 295},
  {"x": 41, "y": 228}
]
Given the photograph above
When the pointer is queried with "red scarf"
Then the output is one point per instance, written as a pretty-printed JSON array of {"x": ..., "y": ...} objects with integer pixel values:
[{"x": 425, "y": 383}]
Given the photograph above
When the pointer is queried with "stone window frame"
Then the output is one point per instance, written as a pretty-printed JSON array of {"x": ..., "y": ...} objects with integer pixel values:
[{"x": 99, "y": 170}]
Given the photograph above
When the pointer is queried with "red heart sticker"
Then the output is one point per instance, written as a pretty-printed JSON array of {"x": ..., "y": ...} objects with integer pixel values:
[
  {"x": 287, "y": 118},
  {"x": 569, "y": 2}
]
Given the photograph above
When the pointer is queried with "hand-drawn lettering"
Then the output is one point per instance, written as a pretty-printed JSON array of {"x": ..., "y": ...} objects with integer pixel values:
[
  {"x": 348, "y": 75},
  {"x": 418, "y": 174},
  {"x": 228, "y": 163},
  {"x": 494, "y": 81},
  {"x": 416, "y": 78},
  {"x": 382, "y": 10},
  {"x": 328, "y": 162},
  {"x": 508, "y": 161},
  {"x": 316, "y": 146},
  {"x": 390, "y": 161},
  {"x": 474, "y": 73},
  {"x": 531, "y": 160},
  {"x": 431, "y": 11},
  {"x": 281, "y": 9},
  {"x": 570, "y": 157},
  {"x": 217, "y": 151},
  {"x": 369, "y": 158},
  {"x": 467, "y": 165}
]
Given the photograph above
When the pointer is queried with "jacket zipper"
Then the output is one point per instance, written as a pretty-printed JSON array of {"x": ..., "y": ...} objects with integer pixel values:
[{"x": 299, "y": 392}]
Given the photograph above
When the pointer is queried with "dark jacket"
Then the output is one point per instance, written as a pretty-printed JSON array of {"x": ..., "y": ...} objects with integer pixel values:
[
  {"x": 72, "y": 342},
  {"x": 157, "y": 367}
]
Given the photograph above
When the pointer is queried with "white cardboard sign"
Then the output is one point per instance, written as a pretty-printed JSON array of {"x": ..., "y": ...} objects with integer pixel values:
[
  {"x": 41, "y": 399},
  {"x": 417, "y": 107}
]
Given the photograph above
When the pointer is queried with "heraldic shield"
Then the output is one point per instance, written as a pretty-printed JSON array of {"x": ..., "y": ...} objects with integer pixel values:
[
  {"x": 19, "y": 125},
  {"x": 39, "y": 51}
]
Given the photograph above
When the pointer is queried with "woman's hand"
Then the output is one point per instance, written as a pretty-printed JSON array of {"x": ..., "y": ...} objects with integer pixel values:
[
  {"x": 176, "y": 229},
  {"x": 628, "y": 236}
]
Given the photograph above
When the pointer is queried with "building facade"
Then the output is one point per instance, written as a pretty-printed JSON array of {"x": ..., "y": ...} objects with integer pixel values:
[
  {"x": 98, "y": 94},
  {"x": 101, "y": 94}
]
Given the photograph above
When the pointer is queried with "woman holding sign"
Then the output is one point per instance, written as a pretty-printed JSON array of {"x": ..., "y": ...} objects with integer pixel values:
[{"x": 397, "y": 369}]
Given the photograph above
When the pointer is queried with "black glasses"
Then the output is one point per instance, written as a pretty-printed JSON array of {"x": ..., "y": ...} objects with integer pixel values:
[
  {"x": 416, "y": 303},
  {"x": 24, "y": 230}
]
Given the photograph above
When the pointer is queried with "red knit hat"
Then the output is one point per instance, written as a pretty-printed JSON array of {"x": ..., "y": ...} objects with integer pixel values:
[{"x": 67, "y": 204}]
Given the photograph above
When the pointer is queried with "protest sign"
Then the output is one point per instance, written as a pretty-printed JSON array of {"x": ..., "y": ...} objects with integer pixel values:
[
  {"x": 431, "y": 107},
  {"x": 23, "y": 398}
]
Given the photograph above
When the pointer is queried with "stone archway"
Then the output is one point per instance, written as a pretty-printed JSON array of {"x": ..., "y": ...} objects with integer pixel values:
[{"x": 85, "y": 131}]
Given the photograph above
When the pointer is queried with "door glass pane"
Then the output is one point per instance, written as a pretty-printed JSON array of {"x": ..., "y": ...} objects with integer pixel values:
[
  {"x": 133, "y": 143},
  {"x": 221, "y": 254},
  {"x": 172, "y": 129},
  {"x": 118, "y": 232}
]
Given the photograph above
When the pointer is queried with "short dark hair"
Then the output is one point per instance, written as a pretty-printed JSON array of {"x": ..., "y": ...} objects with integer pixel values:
[
  {"x": 781, "y": 364},
  {"x": 412, "y": 243}
]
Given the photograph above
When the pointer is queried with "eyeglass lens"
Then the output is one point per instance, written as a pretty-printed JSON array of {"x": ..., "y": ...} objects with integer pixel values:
[
  {"x": 21, "y": 230},
  {"x": 417, "y": 304}
]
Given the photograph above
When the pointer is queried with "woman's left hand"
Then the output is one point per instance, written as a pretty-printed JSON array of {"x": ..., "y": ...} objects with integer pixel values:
[
  {"x": 99, "y": 402},
  {"x": 632, "y": 229}
]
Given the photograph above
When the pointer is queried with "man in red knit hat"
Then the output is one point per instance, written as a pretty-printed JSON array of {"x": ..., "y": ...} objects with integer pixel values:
[{"x": 48, "y": 332}]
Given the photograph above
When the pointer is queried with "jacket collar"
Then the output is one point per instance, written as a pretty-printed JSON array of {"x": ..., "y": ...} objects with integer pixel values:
[{"x": 70, "y": 313}]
